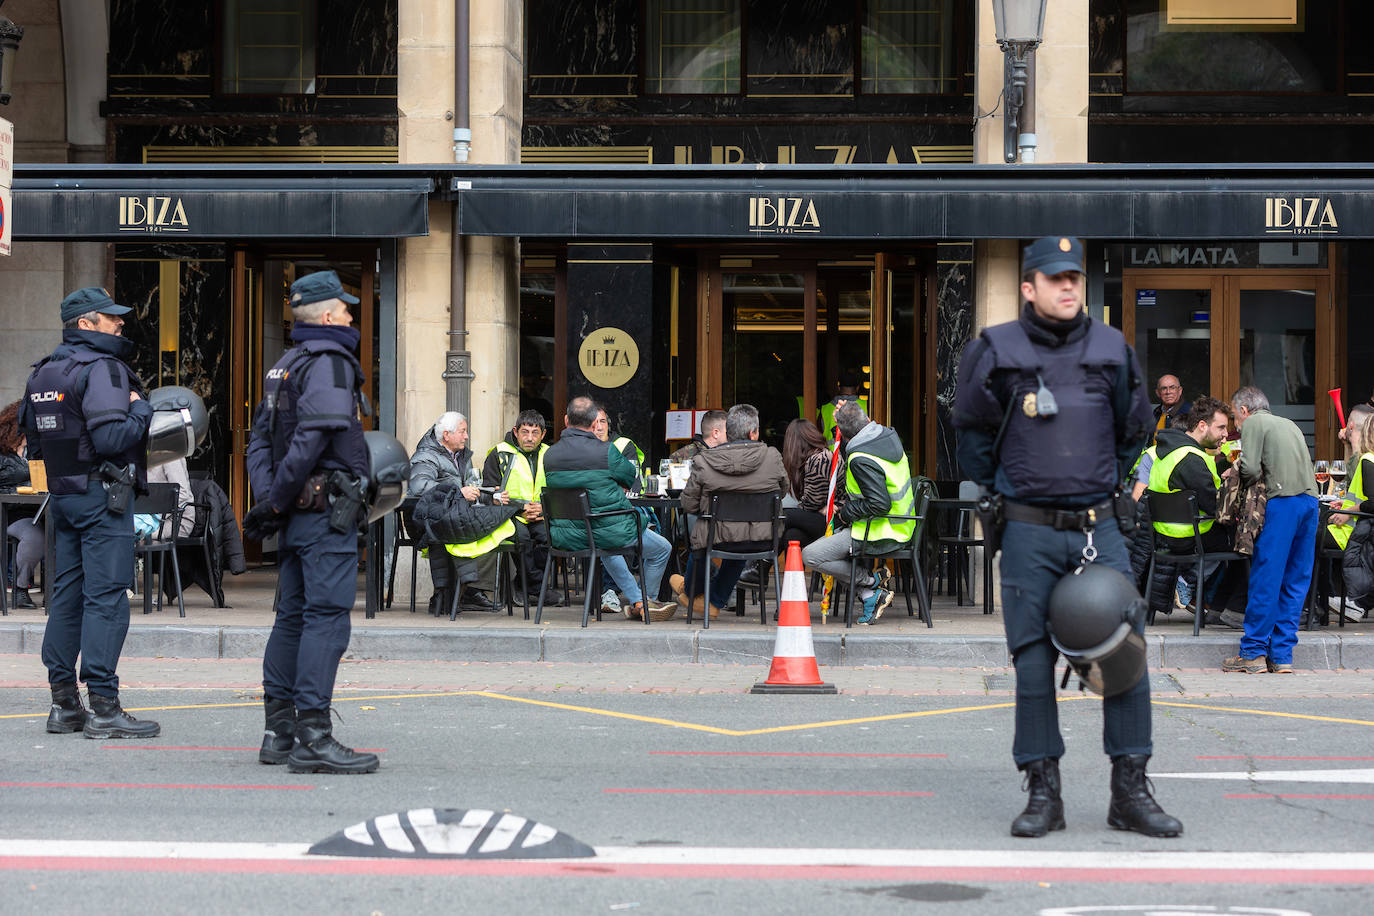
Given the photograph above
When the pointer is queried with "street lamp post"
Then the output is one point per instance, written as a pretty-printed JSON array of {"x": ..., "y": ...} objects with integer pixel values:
[
  {"x": 1019, "y": 25},
  {"x": 10, "y": 35}
]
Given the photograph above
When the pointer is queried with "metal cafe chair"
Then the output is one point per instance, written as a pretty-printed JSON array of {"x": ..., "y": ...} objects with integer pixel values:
[
  {"x": 860, "y": 550},
  {"x": 735, "y": 507},
  {"x": 162, "y": 500},
  {"x": 571, "y": 504},
  {"x": 1180, "y": 508}
]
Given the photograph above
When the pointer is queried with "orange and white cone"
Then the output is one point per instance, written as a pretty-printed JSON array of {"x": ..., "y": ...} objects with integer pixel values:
[{"x": 794, "y": 657}]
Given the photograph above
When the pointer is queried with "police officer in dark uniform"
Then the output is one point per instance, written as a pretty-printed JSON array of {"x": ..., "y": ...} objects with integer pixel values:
[
  {"x": 1051, "y": 412},
  {"x": 308, "y": 439},
  {"x": 85, "y": 416}
]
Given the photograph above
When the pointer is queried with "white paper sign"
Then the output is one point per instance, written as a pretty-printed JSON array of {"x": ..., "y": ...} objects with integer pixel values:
[{"x": 682, "y": 423}]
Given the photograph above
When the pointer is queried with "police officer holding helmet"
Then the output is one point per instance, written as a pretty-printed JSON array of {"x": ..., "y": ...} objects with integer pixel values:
[
  {"x": 85, "y": 416},
  {"x": 1050, "y": 413},
  {"x": 306, "y": 452}
]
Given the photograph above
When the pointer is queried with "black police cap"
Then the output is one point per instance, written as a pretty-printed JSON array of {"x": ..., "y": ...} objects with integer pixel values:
[
  {"x": 1053, "y": 254},
  {"x": 91, "y": 299},
  {"x": 317, "y": 287}
]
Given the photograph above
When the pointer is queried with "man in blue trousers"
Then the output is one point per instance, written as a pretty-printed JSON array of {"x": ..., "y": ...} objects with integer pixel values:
[{"x": 1274, "y": 451}]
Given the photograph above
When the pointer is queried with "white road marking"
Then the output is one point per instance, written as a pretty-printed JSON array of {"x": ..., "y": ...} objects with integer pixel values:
[
  {"x": 1138, "y": 860},
  {"x": 389, "y": 829},
  {"x": 1329, "y": 776}
]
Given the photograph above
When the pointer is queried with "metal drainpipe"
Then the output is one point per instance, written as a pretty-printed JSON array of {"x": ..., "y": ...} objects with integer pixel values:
[
  {"x": 1026, "y": 141},
  {"x": 458, "y": 374}
]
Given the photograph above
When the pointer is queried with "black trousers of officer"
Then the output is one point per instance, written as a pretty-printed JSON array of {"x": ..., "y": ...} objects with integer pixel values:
[
  {"x": 316, "y": 589},
  {"x": 88, "y": 611},
  {"x": 1034, "y": 558}
]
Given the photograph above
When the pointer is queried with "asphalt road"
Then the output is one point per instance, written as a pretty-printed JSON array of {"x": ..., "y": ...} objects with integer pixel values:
[{"x": 725, "y": 802}]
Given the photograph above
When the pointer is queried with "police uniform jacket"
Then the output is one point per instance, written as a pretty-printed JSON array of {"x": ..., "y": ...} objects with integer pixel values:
[
  {"x": 77, "y": 412},
  {"x": 308, "y": 421},
  {"x": 1074, "y": 458}
]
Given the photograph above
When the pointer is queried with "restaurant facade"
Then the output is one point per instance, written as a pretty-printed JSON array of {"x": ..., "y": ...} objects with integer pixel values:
[{"x": 673, "y": 204}]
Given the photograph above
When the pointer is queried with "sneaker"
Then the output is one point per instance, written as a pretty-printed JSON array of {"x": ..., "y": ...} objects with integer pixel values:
[
  {"x": 1279, "y": 667},
  {"x": 874, "y": 605},
  {"x": 1351, "y": 610},
  {"x": 1183, "y": 592},
  {"x": 610, "y": 601},
  {"x": 660, "y": 611},
  {"x": 1240, "y": 664},
  {"x": 881, "y": 577},
  {"x": 1233, "y": 619},
  {"x": 679, "y": 586}
]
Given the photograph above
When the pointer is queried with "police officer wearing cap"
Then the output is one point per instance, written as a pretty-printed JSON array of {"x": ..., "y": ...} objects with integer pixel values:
[
  {"x": 85, "y": 416},
  {"x": 307, "y": 435},
  {"x": 1050, "y": 413}
]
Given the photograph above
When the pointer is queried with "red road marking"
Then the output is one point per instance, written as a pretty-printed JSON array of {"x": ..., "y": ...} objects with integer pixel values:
[
  {"x": 1256, "y": 757},
  {"x": 783, "y": 754},
  {"x": 144, "y": 785},
  {"x": 1268, "y": 795},
  {"x": 590, "y": 868},
  {"x": 662, "y": 791}
]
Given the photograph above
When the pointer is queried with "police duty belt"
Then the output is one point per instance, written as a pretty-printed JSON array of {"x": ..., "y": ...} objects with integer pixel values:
[{"x": 1059, "y": 519}]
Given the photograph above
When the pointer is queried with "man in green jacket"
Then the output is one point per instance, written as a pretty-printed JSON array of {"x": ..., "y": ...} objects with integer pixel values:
[
  {"x": 1274, "y": 450},
  {"x": 580, "y": 459}
]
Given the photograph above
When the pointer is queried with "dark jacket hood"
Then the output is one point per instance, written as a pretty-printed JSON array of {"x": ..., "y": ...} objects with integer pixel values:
[
  {"x": 735, "y": 459},
  {"x": 1169, "y": 439},
  {"x": 879, "y": 441}
]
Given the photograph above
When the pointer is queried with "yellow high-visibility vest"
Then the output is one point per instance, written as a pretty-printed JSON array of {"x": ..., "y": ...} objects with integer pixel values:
[{"x": 1160, "y": 472}]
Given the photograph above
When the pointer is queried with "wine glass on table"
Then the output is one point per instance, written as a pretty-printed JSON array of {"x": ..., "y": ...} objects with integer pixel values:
[
  {"x": 1337, "y": 472},
  {"x": 1323, "y": 474}
]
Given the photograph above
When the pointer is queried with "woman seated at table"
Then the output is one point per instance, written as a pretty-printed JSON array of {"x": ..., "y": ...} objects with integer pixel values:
[
  {"x": 14, "y": 472},
  {"x": 806, "y": 458},
  {"x": 1359, "y": 437}
]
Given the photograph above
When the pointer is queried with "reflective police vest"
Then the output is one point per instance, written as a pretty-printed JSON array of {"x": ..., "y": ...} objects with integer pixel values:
[
  {"x": 623, "y": 441},
  {"x": 516, "y": 478},
  {"x": 1071, "y": 453},
  {"x": 898, "y": 474},
  {"x": 1160, "y": 473},
  {"x": 1354, "y": 496},
  {"x": 56, "y": 393},
  {"x": 483, "y": 544}
]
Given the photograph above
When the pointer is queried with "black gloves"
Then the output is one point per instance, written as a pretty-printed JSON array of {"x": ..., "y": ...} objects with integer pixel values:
[{"x": 261, "y": 522}]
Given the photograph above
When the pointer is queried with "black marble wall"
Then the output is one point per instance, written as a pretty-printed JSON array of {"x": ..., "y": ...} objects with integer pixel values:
[
  {"x": 954, "y": 329},
  {"x": 612, "y": 285},
  {"x": 203, "y": 353},
  {"x": 164, "y": 56}
]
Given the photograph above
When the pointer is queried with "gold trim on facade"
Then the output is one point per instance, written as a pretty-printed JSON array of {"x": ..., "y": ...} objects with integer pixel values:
[
  {"x": 643, "y": 155},
  {"x": 270, "y": 154}
]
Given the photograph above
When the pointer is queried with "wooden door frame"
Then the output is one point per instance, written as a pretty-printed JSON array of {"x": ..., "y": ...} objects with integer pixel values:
[{"x": 1225, "y": 287}]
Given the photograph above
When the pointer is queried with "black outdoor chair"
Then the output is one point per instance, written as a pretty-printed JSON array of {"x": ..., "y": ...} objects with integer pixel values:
[
  {"x": 571, "y": 504},
  {"x": 734, "y": 507},
  {"x": 203, "y": 537},
  {"x": 1180, "y": 508},
  {"x": 163, "y": 501},
  {"x": 861, "y": 550},
  {"x": 504, "y": 591},
  {"x": 403, "y": 538},
  {"x": 959, "y": 544},
  {"x": 1325, "y": 557}
]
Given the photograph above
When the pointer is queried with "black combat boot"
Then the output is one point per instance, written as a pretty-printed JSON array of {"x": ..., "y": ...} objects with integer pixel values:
[
  {"x": 1045, "y": 809},
  {"x": 109, "y": 720},
  {"x": 316, "y": 751},
  {"x": 280, "y": 734},
  {"x": 1133, "y": 807},
  {"x": 19, "y": 599},
  {"x": 67, "y": 714}
]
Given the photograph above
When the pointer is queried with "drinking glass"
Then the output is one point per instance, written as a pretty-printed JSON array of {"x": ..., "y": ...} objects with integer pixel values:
[
  {"x": 1338, "y": 475},
  {"x": 1323, "y": 473},
  {"x": 664, "y": 467}
]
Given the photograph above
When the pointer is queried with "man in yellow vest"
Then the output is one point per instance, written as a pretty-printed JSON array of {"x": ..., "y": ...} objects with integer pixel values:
[
  {"x": 848, "y": 390},
  {"x": 877, "y": 483},
  {"x": 514, "y": 469},
  {"x": 1182, "y": 464}
]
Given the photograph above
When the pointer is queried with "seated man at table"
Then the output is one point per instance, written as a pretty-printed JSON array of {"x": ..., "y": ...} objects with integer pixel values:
[
  {"x": 515, "y": 470},
  {"x": 877, "y": 483},
  {"x": 580, "y": 459},
  {"x": 712, "y": 434},
  {"x": 469, "y": 533},
  {"x": 742, "y": 464}
]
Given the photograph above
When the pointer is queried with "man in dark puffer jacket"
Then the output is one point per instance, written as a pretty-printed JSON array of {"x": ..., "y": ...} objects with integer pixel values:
[{"x": 468, "y": 533}]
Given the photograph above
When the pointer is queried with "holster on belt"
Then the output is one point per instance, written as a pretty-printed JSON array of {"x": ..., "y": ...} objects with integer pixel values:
[
  {"x": 119, "y": 485},
  {"x": 314, "y": 496},
  {"x": 989, "y": 509},
  {"x": 350, "y": 502}
]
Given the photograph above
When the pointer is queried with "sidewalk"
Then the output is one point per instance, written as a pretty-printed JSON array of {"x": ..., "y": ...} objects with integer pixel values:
[{"x": 963, "y": 637}]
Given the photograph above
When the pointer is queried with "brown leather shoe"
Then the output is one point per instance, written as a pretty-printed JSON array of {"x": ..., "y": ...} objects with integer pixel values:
[
  {"x": 1240, "y": 664},
  {"x": 1280, "y": 667}
]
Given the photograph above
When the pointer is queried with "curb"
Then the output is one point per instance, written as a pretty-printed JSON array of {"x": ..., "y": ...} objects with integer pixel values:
[{"x": 1323, "y": 652}]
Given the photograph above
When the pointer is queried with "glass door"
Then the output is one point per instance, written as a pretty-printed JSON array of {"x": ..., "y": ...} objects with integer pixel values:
[
  {"x": 1172, "y": 320},
  {"x": 765, "y": 343}
]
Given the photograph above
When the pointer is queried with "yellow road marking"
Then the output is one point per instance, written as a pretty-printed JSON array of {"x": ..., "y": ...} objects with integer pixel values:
[
  {"x": 258, "y": 703},
  {"x": 1268, "y": 712}
]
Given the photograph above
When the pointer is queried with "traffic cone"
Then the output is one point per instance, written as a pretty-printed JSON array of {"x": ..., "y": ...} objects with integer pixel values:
[{"x": 794, "y": 657}]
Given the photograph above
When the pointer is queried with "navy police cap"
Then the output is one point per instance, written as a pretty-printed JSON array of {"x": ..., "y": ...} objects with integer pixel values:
[
  {"x": 91, "y": 299},
  {"x": 1052, "y": 255},
  {"x": 317, "y": 287}
]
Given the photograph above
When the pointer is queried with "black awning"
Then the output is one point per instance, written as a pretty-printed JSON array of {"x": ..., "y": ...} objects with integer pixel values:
[
  {"x": 764, "y": 202},
  {"x": 167, "y": 203}
]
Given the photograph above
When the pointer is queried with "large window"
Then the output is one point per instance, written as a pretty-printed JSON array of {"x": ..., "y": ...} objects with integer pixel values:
[
  {"x": 908, "y": 47},
  {"x": 693, "y": 46},
  {"x": 268, "y": 47}
]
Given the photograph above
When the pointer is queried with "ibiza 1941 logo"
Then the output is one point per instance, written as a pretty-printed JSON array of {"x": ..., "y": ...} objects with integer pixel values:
[
  {"x": 783, "y": 215},
  {"x": 608, "y": 357},
  {"x": 1299, "y": 216},
  {"x": 152, "y": 214}
]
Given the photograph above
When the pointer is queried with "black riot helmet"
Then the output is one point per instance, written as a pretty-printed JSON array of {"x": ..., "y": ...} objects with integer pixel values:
[
  {"x": 1093, "y": 615},
  {"x": 388, "y": 469},
  {"x": 180, "y": 422}
]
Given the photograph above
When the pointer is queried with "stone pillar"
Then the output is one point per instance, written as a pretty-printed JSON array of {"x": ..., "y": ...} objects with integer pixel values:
[
  {"x": 611, "y": 285},
  {"x": 1061, "y": 126},
  {"x": 425, "y": 100}
]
